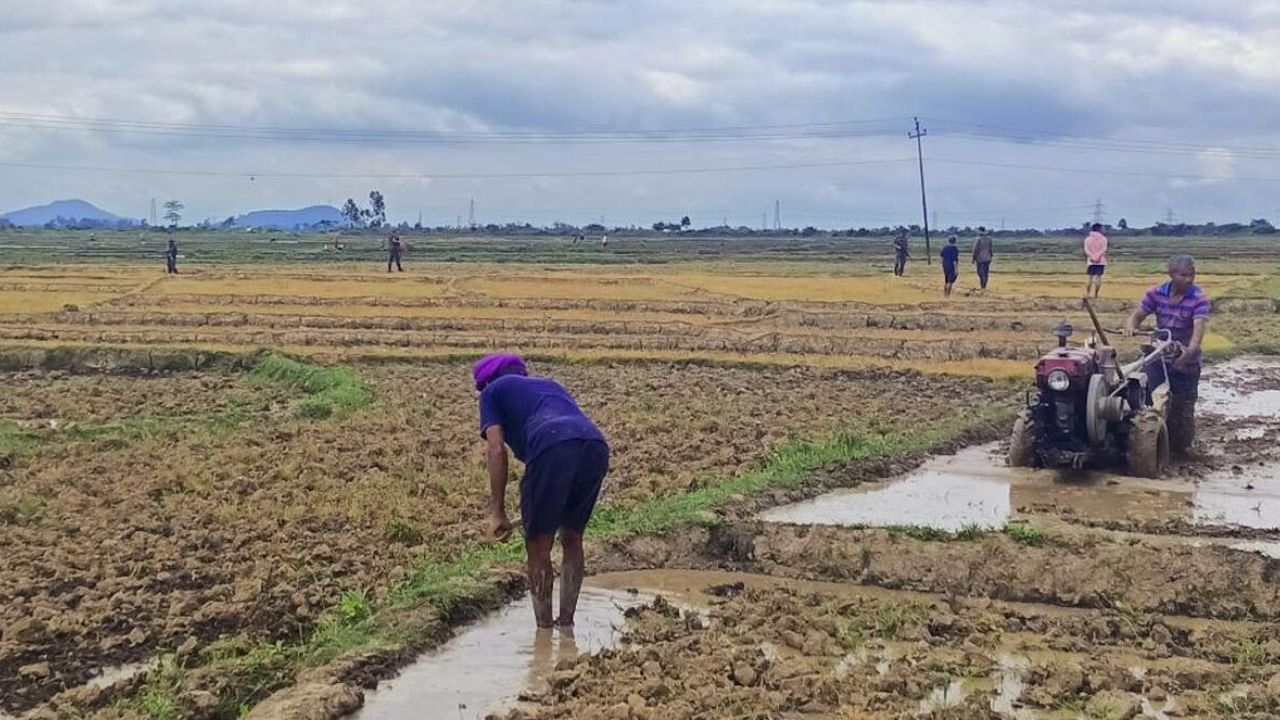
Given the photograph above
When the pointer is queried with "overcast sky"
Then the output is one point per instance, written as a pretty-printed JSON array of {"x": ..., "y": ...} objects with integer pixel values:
[{"x": 574, "y": 110}]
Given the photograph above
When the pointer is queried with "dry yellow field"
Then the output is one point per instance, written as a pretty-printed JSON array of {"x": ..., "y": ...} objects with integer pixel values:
[{"x": 768, "y": 313}]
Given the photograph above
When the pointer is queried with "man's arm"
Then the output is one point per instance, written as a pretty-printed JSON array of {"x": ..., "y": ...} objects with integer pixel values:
[
  {"x": 496, "y": 455},
  {"x": 1131, "y": 325},
  {"x": 1192, "y": 351}
]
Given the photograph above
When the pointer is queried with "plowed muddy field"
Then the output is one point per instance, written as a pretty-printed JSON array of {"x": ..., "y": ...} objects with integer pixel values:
[
  {"x": 960, "y": 589},
  {"x": 176, "y": 532},
  {"x": 148, "y": 514}
]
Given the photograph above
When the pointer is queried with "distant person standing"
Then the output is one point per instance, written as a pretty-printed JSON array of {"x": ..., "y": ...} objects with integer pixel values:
[
  {"x": 395, "y": 248},
  {"x": 604, "y": 241},
  {"x": 1095, "y": 255},
  {"x": 171, "y": 257},
  {"x": 950, "y": 259},
  {"x": 901, "y": 252},
  {"x": 982, "y": 255}
]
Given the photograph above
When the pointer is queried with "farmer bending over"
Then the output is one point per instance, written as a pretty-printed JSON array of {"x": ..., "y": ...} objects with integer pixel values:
[
  {"x": 1181, "y": 307},
  {"x": 565, "y": 460}
]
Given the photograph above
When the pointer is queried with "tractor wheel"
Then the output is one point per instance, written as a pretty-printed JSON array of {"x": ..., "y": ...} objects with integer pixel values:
[
  {"x": 1148, "y": 444},
  {"x": 1022, "y": 442}
]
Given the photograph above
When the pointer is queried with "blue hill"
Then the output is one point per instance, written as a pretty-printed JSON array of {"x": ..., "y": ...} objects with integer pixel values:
[
  {"x": 63, "y": 212},
  {"x": 290, "y": 219}
]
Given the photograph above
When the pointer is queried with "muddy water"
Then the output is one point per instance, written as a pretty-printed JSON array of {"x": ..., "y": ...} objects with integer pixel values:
[
  {"x": 1231, "y": 389},
  {"x": 974, "y": 487},
  {"x": 488, "y": 665}
]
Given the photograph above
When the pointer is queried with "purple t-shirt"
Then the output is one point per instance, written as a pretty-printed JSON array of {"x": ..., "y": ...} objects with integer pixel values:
[
  {"x": 1179, "y": 318},
  {"x": 534, "y": 414}
]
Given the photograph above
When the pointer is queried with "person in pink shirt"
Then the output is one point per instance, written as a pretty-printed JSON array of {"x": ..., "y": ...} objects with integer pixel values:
[{"x": 1095, "y": 253}]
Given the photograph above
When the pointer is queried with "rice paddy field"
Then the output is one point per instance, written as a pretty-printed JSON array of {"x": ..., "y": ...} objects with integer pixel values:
[{"x": 260, "y": 478}]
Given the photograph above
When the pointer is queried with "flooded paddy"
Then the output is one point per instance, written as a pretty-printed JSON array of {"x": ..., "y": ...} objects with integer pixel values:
[{"x": 1099, "y": 617}]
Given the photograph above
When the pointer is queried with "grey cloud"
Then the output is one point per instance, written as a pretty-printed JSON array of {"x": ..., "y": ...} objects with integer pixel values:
[{"x": 1053, "y": 66}]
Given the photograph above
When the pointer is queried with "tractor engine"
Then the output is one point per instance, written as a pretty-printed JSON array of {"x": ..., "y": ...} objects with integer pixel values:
[{"x": 1062, "y": 378}]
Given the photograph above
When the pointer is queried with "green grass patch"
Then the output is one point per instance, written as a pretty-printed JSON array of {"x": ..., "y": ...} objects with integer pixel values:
[
  {"x": 1249, "y": 653},
  {"x": 329, "y": 391},
  {"x": 1024, "y": 534},
  {"x": 158, "y": 698},
  {"x": 14, "y": 440},
  {"x": 968, "y": 533}
]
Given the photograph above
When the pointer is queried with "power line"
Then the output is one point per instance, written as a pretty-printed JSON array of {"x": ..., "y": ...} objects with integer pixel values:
[
  {"x": 456, "y": 176},
  {"x": 1004, "y": 134},
  {"x": 1101, "y": 171},
  {"x": 793, "y": 131}
]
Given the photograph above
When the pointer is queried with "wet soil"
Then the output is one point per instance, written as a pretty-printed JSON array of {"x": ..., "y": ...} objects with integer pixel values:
[
  {"x": 774, "y": 650},
  {"x": 118, "y": 548},
  {"x": 1152, "y": 598}
]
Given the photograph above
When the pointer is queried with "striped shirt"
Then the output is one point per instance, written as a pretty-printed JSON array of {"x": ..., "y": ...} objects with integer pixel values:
[{"x": 1177, "y": 317}]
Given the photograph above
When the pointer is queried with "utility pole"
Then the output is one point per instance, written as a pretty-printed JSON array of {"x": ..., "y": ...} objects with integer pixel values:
[
  {"x": 777, "y": 215},
  {"x": 1168, "y": 216},
  {"x": 924, "y": 203},
  {"x": 471, "y": 214},
  {"x": 1097, "y": 210}
]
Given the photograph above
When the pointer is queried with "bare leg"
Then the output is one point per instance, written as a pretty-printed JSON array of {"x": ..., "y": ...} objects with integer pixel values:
[
  {"x": 541, "y": 578},
  {"x": 571, "y": 570}
]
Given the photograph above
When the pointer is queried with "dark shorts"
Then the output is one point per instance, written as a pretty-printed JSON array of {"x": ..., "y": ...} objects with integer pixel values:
[
  {"x": 949, "y": 273},
  {"x": 1096, "y": 269},
  {"x": 1183, "y": 384},
  {"x": 560, "y": 486}
]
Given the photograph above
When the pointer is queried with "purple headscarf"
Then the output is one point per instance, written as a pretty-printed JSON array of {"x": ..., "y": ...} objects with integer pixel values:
[{"x": 492, "y": 367}]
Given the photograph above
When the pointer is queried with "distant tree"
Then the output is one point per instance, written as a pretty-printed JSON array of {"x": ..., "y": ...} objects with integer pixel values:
[
  {"x": 685, "y": 222},
  {"x": 809, "y": 231},
  {"x": 173, "y": 211},
  {"x": 351, "y": 211},
  {"x": 1123, "y": 224},
  {"x": 377, "y": 209}
]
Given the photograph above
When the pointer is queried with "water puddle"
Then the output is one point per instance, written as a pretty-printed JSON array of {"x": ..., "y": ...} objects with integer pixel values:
[
  {"x": 1010, "y": 681},
  {"x": 1248, "y": 497},
  {"x": 1262, "y": 547},
  {"x": 112, "y": 675},
  {"x": 489, "y": 665},
  {"x": 975, "y": 489},
  {"x": 944, "y": 696},
  {"x": 948, "y": 493},
  {"x": 1230, "y": 390}
]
